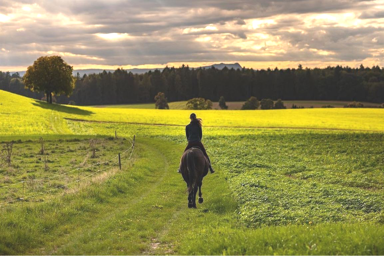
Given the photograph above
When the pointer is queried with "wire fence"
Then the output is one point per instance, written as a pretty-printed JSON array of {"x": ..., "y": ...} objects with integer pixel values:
[{"x": 105, "y": 166}]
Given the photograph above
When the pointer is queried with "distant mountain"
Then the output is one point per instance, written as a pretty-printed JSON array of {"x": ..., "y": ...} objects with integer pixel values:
[
  {"x": 82, "y": 72},
  {"x": 223, "y": 65}
]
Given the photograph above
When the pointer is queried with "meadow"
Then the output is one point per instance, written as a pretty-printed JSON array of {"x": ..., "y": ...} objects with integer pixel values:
[
  {"x": 306, "y": 181},
  {"x": 236, "y": 105}
]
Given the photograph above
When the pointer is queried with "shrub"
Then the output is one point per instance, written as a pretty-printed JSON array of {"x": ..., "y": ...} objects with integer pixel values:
[
  {"x": 279, "y": 104},
  {"x": 266, "y": 104},
  {"x": 199, "y": 103},
  {"x": 327, "y": 106},
  {"x": 295, "y": 106},
  {"x": 354, "y": 105},
  {"x": 71, "y": 102},
  {"x": 222, "y": 103},
  {"x": 251, "y": 103}
]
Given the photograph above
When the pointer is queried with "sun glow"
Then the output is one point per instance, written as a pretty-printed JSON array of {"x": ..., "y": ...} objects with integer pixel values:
[
  {"x": 114, "y": 36},
  {"x": 4, "y": 18}
]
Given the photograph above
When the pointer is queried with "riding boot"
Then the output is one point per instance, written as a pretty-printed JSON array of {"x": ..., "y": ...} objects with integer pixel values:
[
  {"x": 211, "y": 169},
  {"x": 210, "y": 166}
]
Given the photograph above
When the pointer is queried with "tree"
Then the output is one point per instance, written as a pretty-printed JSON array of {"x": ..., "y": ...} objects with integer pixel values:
[
  {"x": 266, "y": 104},
  {"x": 199, "y": 103},
  {"x": 279, "y": 104},
  {"x": 51, "y": 75},
  {"x": 222, "y": 103},
  {"x": 208, "y": 104},
  {"x": 251, "y": 103},
  {"x": 161, "y": 101}
]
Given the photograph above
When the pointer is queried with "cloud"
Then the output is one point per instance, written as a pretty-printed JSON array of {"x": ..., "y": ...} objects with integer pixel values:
[{"x": 143, "y": 32}]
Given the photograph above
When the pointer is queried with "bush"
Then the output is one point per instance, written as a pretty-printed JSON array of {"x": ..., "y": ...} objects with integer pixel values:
[
  {"x": 222, "y": 103},
  {"x": 161, "y": 101},
  {"x": 295, "y": 106},
  {"x": 71, "y": 102},
  {"x": 266, "y": 104},
  {"x": 251, "y": 103},
  {"x": 327, "y": 106},
  {"x": 199, "y": 104},
  {"x": 279, "y": 104},
  {"x": 354, "y": 105}
]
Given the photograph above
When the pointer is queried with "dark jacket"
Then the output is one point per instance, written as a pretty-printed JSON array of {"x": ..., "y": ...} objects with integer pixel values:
[{"x": 193, "y": 132}]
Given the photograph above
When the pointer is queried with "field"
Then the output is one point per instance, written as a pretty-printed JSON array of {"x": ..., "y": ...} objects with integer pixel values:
[
  {"x": 236, "y": 105},
  {"x": 307, "y": 181}
]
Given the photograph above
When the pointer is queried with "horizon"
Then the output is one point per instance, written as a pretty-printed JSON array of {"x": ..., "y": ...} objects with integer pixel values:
[
  {"x": 162, "y": 66},
  {"x": 147, "y": 35}
]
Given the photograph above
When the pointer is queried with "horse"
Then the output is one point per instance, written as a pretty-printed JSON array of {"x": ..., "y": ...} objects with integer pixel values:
[{"x": 193, "y": 167}]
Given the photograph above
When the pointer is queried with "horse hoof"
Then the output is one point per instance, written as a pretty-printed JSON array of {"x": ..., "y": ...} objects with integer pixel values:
[
  {"x": 190, "y": 205},
  {"x": 194, "y": 206},
  {"x": 201, "y": 200}
]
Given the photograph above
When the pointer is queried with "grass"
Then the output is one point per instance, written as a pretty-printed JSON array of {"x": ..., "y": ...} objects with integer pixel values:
[
  {"x": 42, "y": 118},
  {"x": 172, "y": 105},
  {"x": 64, "y": 166},
  {"x": 236, "y": 105},
  {"x": 287, "y": 182}
]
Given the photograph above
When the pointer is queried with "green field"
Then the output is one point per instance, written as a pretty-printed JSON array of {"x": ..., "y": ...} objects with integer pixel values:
[
  {"x": 236, "y": 105},
  {"x": 307, "y": 181}
]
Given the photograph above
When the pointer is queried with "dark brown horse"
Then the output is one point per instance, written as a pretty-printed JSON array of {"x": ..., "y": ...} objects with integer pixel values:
[{"x": 193, "y": 167}]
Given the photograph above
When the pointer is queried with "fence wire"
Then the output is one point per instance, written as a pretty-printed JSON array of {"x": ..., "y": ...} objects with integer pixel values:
[{"x": 129, "y": 152}]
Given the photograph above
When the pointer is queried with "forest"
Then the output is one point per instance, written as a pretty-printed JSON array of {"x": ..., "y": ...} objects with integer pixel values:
[{"x": 121, "y": 87}]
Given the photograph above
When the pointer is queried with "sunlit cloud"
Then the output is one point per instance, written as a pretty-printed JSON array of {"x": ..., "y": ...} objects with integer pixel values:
[
  {"x": 4, "y": 18},
  {"x": 148, "y": 33},
  {"x": 26, "y": 8},
  {"x": 114, "y": 36}
]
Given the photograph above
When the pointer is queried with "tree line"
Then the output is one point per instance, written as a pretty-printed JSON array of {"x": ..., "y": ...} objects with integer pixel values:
[{"x": 184, "y": 83}]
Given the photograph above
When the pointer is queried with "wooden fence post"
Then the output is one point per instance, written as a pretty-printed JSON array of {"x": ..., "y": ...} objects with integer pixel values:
[{"x": 119, "y": 162}]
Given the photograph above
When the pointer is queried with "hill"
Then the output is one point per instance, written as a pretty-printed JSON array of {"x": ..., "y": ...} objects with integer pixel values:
[
  {"x": 286, "y": 181},
  {"x": 83, "y": 72}
]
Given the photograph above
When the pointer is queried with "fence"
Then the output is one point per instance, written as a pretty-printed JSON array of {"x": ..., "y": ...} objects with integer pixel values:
[{"x": 116, "y": 161}]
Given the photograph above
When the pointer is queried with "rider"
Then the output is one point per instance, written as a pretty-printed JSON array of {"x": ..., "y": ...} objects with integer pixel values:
[{"x": 194, "y": 134}]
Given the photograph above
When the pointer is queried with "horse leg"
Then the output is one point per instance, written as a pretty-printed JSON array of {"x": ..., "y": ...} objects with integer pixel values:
[
  {"x": 201, "y": 200},
  {"x": 190, "y": 199},
  {"x": 194, "y": 196}
]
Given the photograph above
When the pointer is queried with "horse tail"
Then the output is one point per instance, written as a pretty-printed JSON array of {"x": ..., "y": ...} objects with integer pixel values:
[{"x": 191, "y": 171}]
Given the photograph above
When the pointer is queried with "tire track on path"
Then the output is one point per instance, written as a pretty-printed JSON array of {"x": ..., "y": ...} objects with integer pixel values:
[{"x": 135, "y": 203}]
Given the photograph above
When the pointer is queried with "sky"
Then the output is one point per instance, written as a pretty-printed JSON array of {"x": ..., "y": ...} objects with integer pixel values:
[{"x": 155, "y": 33}]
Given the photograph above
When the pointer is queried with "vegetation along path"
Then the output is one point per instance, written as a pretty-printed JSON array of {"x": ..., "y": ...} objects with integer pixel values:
[
  {"x": 276, "y": 191},
  {"x": 140, "y": 210}
]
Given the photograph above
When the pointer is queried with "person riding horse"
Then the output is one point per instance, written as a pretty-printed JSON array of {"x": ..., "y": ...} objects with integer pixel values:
[{"x": 194, "y": 135}]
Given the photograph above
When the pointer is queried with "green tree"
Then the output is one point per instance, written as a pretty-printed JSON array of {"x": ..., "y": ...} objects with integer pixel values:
[
  {"x": 208, "y": 104},
  {"x": 266, "y": 104},
  {"x": 279, "y": 104},
  {"x": 51, "y": 75},
  {"x": 199, "y": 103},
  {"x": 251, "y": 103},
  {"x": 161, "y": 101},
  {"x": 222, "y": 103}
]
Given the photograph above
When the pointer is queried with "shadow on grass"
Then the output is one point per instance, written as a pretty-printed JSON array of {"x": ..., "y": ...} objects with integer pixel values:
[{"x": 62, "y": 108}]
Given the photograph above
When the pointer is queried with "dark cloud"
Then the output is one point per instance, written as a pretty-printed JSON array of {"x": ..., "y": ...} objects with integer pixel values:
[{"x": 372, "y": 15}]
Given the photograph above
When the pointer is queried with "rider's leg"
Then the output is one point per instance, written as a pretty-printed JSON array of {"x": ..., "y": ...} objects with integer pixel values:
[
  {"x": 206, "y": 155},
  {"x": 210, "y": 166}
]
